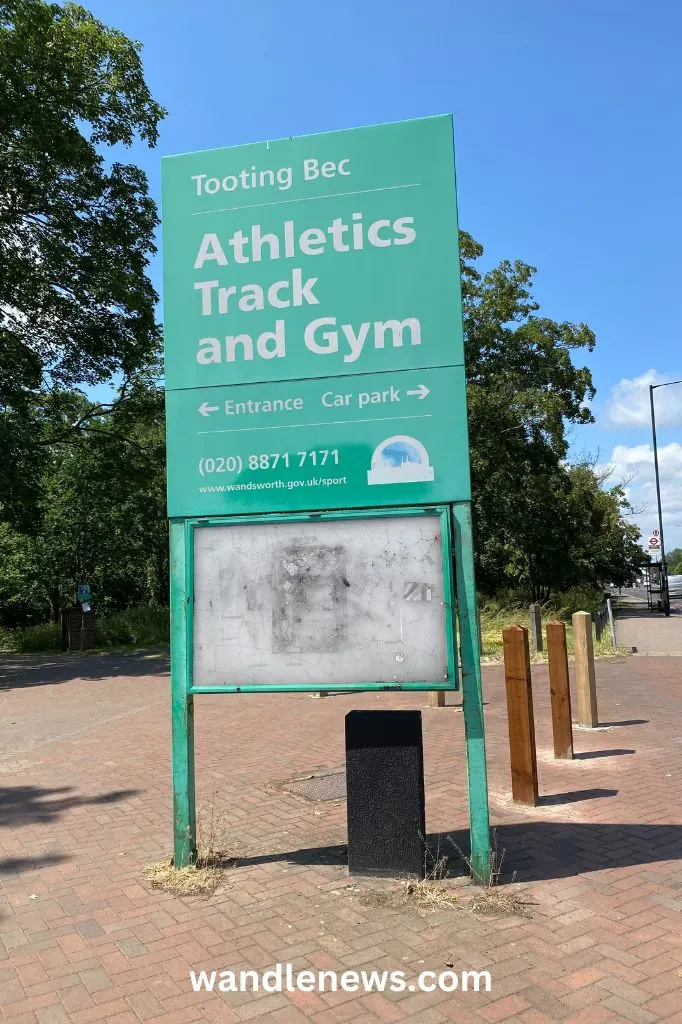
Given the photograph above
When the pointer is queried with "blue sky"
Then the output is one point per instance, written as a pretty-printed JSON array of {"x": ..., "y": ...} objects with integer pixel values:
[{"x": 568, "y": 153}]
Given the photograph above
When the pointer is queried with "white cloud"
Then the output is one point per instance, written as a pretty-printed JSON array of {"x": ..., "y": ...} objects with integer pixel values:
[
  {"x": 634, "y": 466},
  {"x": 629, "y": 403}
]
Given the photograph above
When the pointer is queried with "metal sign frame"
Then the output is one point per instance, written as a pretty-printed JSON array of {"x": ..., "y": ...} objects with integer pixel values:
[
  {"x": 456, "y": 524},
  {"x": 418, "y": 290}
]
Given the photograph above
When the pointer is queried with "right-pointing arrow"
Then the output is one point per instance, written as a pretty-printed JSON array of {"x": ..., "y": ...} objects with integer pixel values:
[{"x": 422, "y": 391}]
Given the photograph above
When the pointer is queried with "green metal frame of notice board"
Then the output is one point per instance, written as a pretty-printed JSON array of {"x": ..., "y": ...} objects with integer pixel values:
[{"x": 456, "y": 532}]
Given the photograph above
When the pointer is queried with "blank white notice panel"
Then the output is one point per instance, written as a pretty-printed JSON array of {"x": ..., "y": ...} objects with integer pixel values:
[{"x": 330, "y": 602}]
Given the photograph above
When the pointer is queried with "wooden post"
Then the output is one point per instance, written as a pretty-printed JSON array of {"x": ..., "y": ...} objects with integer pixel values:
[
  {"x": 612, "y": 624},
  {"x": 560, "y": 691},
  {"x": 524, "y": 768},
  {"x": 585, "y": 684},
  {"x": 436, "y": 698},
  {"x": 536, "y": 627}
]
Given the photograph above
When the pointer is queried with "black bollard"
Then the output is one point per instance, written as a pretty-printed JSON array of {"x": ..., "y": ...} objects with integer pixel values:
[{"x": 385, "y": 793}]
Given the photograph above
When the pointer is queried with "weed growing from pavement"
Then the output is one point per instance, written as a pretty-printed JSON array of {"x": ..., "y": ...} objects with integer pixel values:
[
  {"x": 199, "y": 879},
  {"x": 431, "y": 894},
  {"x": 492, "y": 896},
  {"x": 426, "y": 893},
  {"x": 422, "y": 894},
  {"x": 205, "y": 876}
]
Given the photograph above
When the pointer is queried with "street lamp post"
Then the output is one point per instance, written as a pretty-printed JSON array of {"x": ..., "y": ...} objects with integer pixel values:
[{"x": 665, "y": 597}]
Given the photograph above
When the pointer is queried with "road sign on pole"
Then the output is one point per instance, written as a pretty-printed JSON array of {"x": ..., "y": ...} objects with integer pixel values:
[{"x": 314, "y": 364}]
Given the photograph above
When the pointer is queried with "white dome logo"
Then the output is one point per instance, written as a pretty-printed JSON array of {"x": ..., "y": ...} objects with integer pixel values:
[{"x": 400, "y": 460}]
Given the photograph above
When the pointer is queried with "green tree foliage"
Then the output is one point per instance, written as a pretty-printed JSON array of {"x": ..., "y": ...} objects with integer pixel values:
[
  {"x": 673, "y": 561},
  {"x": 541, "y": 525},
  {"x": 102, "y": 518},
  {"x": 82, "y": 488},
  {"x": 76, "y": 228}
]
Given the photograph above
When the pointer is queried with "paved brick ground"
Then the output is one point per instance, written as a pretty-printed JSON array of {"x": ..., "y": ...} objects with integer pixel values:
[
  {"x": 651, "y": 632},
  {"x": 84, "y": 803}
]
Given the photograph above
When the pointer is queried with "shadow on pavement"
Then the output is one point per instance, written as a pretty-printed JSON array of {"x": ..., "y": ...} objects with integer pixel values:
[
  {"x": 574, "y": 797},
  {"x": 530, "y": 851},
  {"x": 19, "y": 864},
  {"x": 541, "y": 850},
  {"x": 629, "y": 721},
  {"x": 22, "y": 670},
  {"x": 589, "y": 754},
  {"x": 26, "y": 805}
]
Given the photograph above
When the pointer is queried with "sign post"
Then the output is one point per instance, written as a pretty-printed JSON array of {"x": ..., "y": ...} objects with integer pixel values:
[{"x": 317, "y": 441}]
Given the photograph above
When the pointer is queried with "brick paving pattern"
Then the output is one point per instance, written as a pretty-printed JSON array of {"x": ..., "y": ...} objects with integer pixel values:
[
  {"x": 648, "y": 630},
  {"x": 85, "y": 803}
]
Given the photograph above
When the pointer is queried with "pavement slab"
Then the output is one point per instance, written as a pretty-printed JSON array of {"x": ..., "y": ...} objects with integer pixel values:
[{"x": 85, "y": 803}]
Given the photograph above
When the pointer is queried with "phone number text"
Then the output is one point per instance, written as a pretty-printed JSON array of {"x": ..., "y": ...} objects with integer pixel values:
[{"x": 269, "y": 460}]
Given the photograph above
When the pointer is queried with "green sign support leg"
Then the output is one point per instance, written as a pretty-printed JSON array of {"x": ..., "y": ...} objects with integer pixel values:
[
  {"x": 182, "y": 709},
  {"x": 472, "y": 694}
]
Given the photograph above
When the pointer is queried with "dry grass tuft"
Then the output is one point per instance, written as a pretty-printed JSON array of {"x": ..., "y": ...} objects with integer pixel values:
[
  {"x": 206, "y": 875},
  {"x": 432, "y": 895},
  {"x": 427, "y": 895},
  {"x": 492, "y": 897},
  {"x": 417, "y": 895},
  {"x": 194, "y": 880},
  {"x": 499, "y": 902}
]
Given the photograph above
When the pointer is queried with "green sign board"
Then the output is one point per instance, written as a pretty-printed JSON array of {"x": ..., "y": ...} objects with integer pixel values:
[
  {"x": 314, "y": 366},
  {"x": 336, "y": 442},
  {"x": 313, "y": 327}
]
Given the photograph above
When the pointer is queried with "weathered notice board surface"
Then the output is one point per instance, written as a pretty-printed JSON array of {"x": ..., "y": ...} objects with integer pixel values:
[{"x": 328, "y": 602}]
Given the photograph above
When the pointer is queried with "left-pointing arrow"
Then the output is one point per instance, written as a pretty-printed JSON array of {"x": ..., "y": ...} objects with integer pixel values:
[{"x": 205, "y": 409}]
